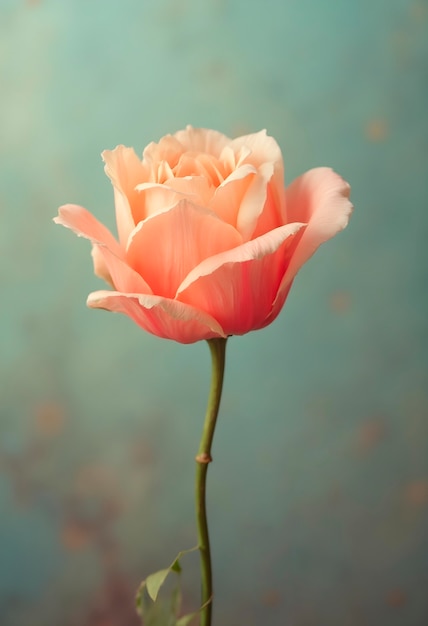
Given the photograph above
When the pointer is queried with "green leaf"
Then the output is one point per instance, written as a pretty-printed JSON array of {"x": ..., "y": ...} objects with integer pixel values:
[
  {"x": 163, "y": 612},
  {"x": 154, "y": 582}
]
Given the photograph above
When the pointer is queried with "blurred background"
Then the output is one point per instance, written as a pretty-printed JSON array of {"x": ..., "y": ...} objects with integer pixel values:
[{"x": 318, "y": 494}]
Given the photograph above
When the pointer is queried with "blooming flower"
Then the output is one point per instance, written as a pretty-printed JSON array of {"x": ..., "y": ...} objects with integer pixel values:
[{"x": 209, "y": 239}]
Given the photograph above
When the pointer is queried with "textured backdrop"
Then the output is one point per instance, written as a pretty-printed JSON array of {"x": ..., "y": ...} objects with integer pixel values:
[{"x": 318, "y": 495}]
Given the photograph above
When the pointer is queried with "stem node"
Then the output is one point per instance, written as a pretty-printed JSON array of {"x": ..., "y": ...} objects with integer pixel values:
[{"x": 203, "y": 458}]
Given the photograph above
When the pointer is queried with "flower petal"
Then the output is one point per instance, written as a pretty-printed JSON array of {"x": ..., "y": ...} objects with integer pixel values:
[
  {"x": 100, "y": 268},
  {"x": 160, "y": 316},
  {"x": 155, "y": 198},
  {"x": 259, "y": 211},
  {"x": 195, "y": 188},
  {"x": 319, "y": 197},
  {"x": 84, "y": 224},
  {"x": 117, "y": 272},
  {"x": 125, "y": 171},
  {"x": 202, "y": 140},
  {"x": 167, "y": 246},
  {"x": 262, "y": 150},
  {"x": 229, "y": 195},
  {"x": 158, "y": 198},
  {"x": 168, "y": 150},
  {"x": 272, "y": 212},
  {"x": 238, "y": 287}
]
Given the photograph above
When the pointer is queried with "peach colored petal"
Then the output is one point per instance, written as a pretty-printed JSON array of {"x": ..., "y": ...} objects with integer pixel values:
[
  {"x": 164, "y": 172},
  {"x": 272, "y": 213},
  {"x": 279, "y": 301},
  {"x": 190, "y": 165},
  {"x": 195, "y": 188},
  {"x": 84, "y": 224},
  {"x": 161, "y": 197},
  {"x": 160, "y": 316},
  {"x": 167, "y": 246},
  {"x": 319, "y": 197},
  {"x": 206, "y": 165},
  {"x": 238, "y": 287},
  {"x": 168, "y": 149},
  {"x": 228, "y": 158},
  {"x": 100, "y": 268},
  {"x": 202, "y": 140},
  {"x": 117, "y": 272},
  {"x": 155, "y": 198},
  {"x": 264, "y": 149},
  {"x": 257, "y": 209},
  {"x": 232, "y": 159},
  {"x": 125, "y": 171},
  {"x": 227, "y": 198},
  {"x": 215, "y": 170}
]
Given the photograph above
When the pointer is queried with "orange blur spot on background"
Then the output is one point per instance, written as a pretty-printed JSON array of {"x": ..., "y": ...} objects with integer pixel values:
[
  {"x": 396, "y": 598},
  {"x": 376, "y": 130},
  {"x": 416, "y": 493},
  {"x": 371, "y": 433},
  {"x": 75, "y": 537},
  {"x": 340, "y": 302},
  {"x": 50, "y": 419}
]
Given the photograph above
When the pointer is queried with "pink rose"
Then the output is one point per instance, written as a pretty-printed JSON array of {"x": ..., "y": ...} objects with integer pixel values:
[{"x": 209, "y": 239}]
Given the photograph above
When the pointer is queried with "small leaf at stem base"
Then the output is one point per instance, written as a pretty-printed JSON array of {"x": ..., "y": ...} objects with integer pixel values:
[{"x": 156, "y": 611}]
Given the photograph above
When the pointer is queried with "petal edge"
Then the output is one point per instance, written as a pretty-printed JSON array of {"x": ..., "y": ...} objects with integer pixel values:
[{"x": 159, "y": 316}]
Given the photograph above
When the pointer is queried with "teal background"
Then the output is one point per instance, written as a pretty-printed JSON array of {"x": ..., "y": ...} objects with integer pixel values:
[{"x": 318, "y": 494}]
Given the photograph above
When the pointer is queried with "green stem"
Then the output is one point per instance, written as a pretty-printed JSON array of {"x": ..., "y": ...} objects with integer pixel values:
[{"x": 203, "y": 458}]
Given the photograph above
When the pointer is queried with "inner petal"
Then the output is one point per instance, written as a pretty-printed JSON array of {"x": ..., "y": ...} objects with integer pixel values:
[
  {"x": 164, "y": 248},
  {"x": 158, "y": 198},
  {"x": 202, "y": 140},
  {"x": 155, "y": 198},
  {"x": 197, "y": 189},
  {"x": 168, "y": 149},
  {"x": 227, "y": 199}
]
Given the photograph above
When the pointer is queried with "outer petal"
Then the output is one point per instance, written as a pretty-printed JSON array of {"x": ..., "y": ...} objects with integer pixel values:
[
  {"x": 125, "y": 171},
  {"x": 100, "y": 267},
  {"x": 160, "y": 316},
  {"x": 238, "y": 287},
  {"x": 319, "y": 197},
  {"x": 84, "y": 224},
  {"x": 118, "y": 273},
  {"x": 167, "y": 246}
]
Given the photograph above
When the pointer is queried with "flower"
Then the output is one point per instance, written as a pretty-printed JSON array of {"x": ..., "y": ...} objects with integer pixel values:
[{"x": 209, "y": 239}]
